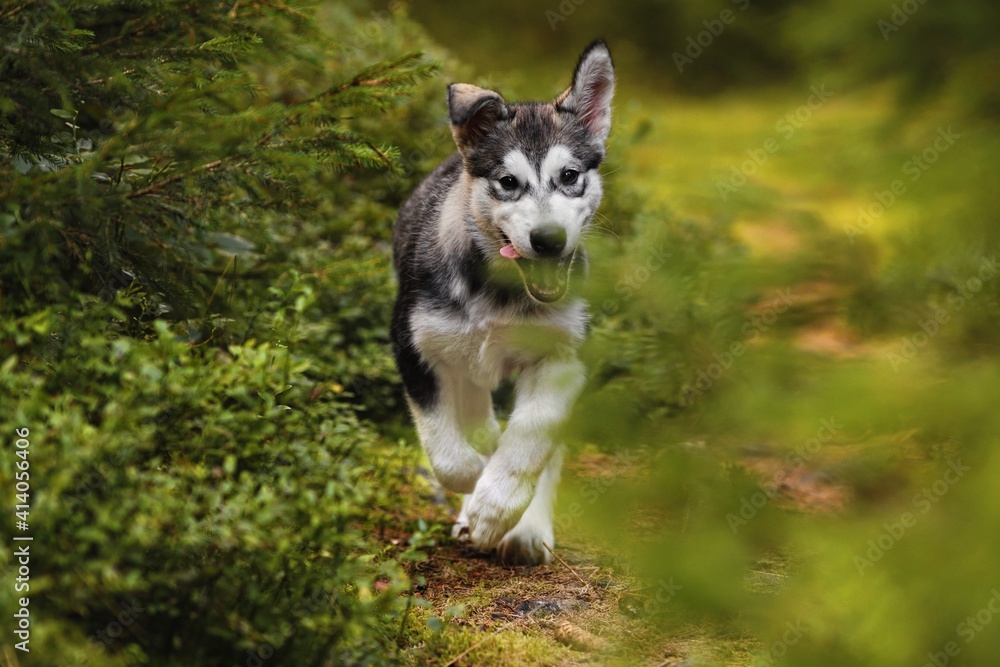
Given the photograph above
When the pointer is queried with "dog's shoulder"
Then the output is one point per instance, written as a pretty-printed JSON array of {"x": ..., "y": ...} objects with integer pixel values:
[
  {"x": 432, "y": 191},
  {"x": 422, "y": 209}
]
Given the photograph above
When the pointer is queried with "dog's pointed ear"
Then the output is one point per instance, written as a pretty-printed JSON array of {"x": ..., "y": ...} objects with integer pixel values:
[
  {"x": 473, "y": 112},
  {"x": 593, "y": 87}
]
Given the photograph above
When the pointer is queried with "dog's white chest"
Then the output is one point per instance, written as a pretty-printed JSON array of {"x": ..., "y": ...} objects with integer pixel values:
[
  {"x": 487, "y": 351},
  {"x": 482, "y": 350}
]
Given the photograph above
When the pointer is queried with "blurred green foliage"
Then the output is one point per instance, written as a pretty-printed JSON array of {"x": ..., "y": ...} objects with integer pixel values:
[{"x": 195, "y": 215}]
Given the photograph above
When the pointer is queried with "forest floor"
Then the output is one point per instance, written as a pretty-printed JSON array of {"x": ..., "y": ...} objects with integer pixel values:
[{"x": 582, "y": 609}]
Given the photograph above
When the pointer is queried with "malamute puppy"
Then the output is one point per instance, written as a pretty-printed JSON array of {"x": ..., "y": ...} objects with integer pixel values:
[{"x": 484, "y": 251}]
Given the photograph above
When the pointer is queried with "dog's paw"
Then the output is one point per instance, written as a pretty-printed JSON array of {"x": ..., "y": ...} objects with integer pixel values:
[
  {"x": 528, "y": 543},
  {"x": 496, "y": 506},
  {"x": 460, "y": 530}
]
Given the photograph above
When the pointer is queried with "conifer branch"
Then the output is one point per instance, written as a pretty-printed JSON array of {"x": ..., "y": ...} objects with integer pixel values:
[
  {"x": 17, "y": 9},
  {"x": 160, "y": 185},
  {"x": 282, "y": 7},
  {"x": 178, "y": 148}
]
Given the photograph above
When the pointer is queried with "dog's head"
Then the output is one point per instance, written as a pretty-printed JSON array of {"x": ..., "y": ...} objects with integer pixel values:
[{"x": 533, "y": 171}]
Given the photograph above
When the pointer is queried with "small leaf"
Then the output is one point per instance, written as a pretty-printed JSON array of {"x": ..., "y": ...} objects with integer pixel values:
[
  {"x": 62, "y": 113},
  {"x": 230, "y": 242},
  {"x": 8, "y": 365},
  {"x": 20, "y": 164}
]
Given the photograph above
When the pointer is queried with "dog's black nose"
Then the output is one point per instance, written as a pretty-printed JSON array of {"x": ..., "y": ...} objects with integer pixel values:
[{"x": 548, "y": 240}]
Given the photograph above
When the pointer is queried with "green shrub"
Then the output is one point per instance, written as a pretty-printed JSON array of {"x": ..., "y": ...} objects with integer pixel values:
[{"x": 220, "y": 492}]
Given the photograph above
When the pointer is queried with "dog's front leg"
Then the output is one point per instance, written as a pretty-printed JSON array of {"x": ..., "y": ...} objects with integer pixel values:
[
  {"x": 543, "y": 398},
  {"x": 459, "y": 431}
]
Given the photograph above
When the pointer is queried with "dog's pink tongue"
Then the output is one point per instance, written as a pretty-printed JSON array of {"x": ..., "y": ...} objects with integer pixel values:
[{"x": 509, "y": 251}]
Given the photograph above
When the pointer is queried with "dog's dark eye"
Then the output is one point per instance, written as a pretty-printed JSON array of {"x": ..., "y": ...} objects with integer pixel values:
[
  {"x": 569, "y": 176},
  {"x": 508, "y": 183}
]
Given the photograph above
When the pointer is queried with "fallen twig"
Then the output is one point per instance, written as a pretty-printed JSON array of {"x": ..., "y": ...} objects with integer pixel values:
[{"x": 567, "y": 566}]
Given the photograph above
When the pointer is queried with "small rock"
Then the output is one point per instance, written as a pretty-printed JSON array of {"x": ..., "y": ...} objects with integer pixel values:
[{"x": 548, "y": 607}]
